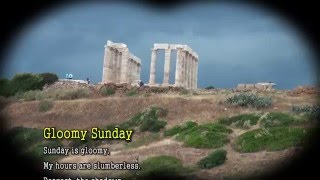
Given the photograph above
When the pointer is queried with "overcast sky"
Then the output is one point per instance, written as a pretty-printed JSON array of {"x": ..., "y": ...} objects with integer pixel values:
[{"x": 236, "y": 43}]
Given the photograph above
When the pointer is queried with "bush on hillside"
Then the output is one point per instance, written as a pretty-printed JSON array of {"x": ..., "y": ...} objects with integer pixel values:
[
  {"x": 216, "y": 158},
  {"x": 106, "y": 91},
  {"x": 5, "y": 87},
  {"x": 209, "y": 87},
  {"x": 48, "y": 78},
  {"x": 25, "y": 82},
  {"x": 249, "y": 100}
]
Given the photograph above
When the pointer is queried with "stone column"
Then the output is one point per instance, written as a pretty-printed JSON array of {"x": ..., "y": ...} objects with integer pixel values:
[
  {"x": 196, "y": 74},
  {"x": 166, "y": 73},
  {"x": 152, "y": 79},
  {"x": 139, "y": 71},
  {"x": 124, "y": 66},
  {"x": 191, "y": 71},
  {"x": 179, "y": 70},
  {"x": 105, "y": 63},
  {"x": 130, "y": 70},
  {"x": 108, "y": 63},
  {"x": 135, "y": 71},
  {"x": 115, "y": 65},
  {"x": 185, "y": 69},
  {"x": 119, "y": 67}
]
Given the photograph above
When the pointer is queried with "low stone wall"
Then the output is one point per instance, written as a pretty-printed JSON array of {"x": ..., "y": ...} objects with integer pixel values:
[
  {"x": 68, "y": 84},
  {"x": 261, "y": 87}
]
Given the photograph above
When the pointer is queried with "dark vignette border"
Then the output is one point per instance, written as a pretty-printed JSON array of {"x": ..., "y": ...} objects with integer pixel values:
[{"x": 17, "y": 14}]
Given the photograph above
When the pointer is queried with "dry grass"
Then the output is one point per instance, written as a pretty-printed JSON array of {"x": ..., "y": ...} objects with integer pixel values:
[{"x": 86, "y": 113}]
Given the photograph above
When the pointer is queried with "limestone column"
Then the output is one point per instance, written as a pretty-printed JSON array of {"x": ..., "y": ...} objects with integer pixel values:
[
  {"x": 115, "y": 65},
  {"x": 152, "y": 79},
  {"x": 124, "y": 66},
  {"x": 105, "y": 63},
  {"x": 185, "y": 69},
  {"x": 119, "y": 67},
  {"x": 108, "y": 63},
  {"x": 139, "y": 71},
  {"x": 130, "y": 70},
  {"x": 196, "y": 74},
  {"x": 191, "y": 71},
  {"x": 178, "y": 74},
  {"x": 135, "y": 71},
  {"x": 166, "y": 74}
]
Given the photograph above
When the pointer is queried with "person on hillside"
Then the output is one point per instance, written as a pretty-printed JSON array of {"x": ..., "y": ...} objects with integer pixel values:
[{"x": 88, "y": 80}]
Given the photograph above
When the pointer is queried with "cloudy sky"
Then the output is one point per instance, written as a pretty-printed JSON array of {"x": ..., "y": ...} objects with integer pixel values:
[{"x": 236, "y": 43}]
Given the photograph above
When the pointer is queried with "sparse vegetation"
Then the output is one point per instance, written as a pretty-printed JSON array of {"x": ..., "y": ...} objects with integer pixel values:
[
  {"x": 270, "y": 139},
  {"x": 184, "y": 92},
  {"x": 310, "y": 112},
  {"x": 249, "y": 100},
  {"x": 216, "y": 158},
  {"x": 132, "y": 93},
  {"x": 180, "y": 128},
  {"x": 241, "y": 121},
  {"x": 105, "y": 91},
  {"x": 281, "y": 119},
  {"x": 54, "y": 94},
  {"x": 45, "y": 105},
  {"x": 144, "y": 141},
  {"x": 212, "y": 135}
]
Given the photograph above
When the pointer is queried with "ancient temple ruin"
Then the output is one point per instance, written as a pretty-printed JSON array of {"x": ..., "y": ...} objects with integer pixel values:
[
  {"x": 186, "y": 71},
  {"x": 119, "y": 65}
]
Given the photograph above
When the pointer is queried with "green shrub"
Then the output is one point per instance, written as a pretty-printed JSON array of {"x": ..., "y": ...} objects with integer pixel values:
[
  {"x": 48, "y": 78},
  {"x": 152, "y": 125},
  {"x": 165, "y": 166},
  {"x": 249, "y": 100},
  {"x": 270, "y": 139},
  {"x": 241, "y": 121},
  {"x": 280, "y": 119},
  {"x": 216, "y": 158},
  {"x": 106, "y": 91},
  {"x": 180, "y": 128},
  {"x": 25, "y": 136},
  {"x": 209, "y": 87},
  {"x": 5, "y": 87},
  {"x": 147, "y": 120},
  {"x": 311, "y": 112},
  {"x": 212, "y": 135},
  {"x": 132, "y": 93},
  {"x": 25, "y": 82},
  {"x": 44, "y": 106},
  {"x": 4, "y": 102}
]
